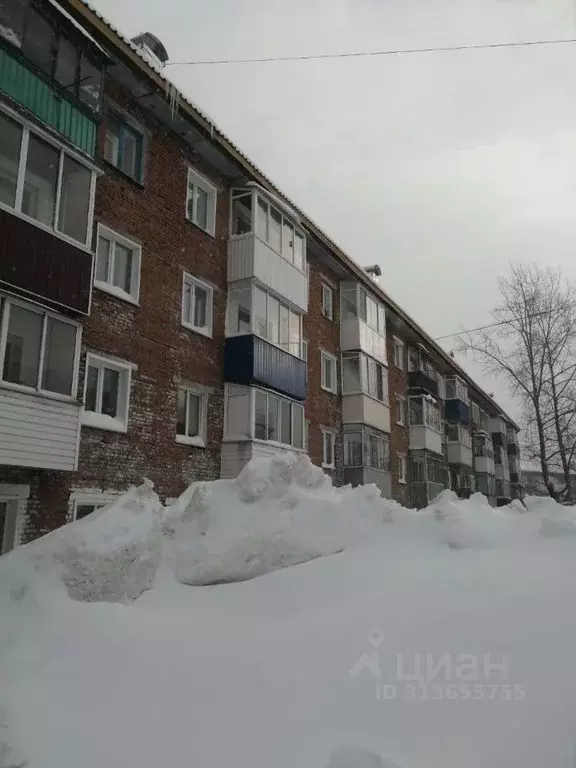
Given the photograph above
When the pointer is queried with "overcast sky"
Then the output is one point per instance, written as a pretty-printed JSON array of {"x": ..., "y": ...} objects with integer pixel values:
[{"x": 440, "y": 167}]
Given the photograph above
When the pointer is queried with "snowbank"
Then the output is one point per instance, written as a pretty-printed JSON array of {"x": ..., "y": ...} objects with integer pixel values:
[{"x": 300, "y": 666}]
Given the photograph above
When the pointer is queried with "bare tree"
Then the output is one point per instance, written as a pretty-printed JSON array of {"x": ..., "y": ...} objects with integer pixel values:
[{"x": 533, "y": 346}]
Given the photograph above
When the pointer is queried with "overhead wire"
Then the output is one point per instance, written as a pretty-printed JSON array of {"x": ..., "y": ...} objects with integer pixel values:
[
  {"x": 365, "y": 54},
  {"x": 504, "y": 322}
]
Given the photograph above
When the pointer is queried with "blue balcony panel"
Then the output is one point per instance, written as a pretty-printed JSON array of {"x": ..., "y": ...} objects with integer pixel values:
[
  {"x": 457, "y": 412},
  {"x": 251, "y": 360}
]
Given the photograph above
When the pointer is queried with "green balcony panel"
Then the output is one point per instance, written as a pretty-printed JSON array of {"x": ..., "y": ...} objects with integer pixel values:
[{"x": 36, "y": 95}]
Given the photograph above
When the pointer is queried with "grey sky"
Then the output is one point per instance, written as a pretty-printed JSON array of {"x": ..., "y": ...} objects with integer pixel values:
[{"x": 440, "y": 167}]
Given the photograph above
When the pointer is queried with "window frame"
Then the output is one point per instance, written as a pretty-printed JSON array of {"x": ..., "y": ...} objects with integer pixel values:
[
  {"x": 327, "y": 356},
  {"x": 328, "y": 432},
  {"x": 402, "y": 468},
  {"x": 5, "y": 303},
  {"x": 208, "y": 330},
  {"x": 200, "y": 440},
  {"x": 280, "y": 398},
  {"x": 16, "y": 209},
  {"x": 98, "y": 499},
  {"x": 200, "y": 181},
  {"x": 328, "y": 311},
  {"x": 114, "y": 237},
  {"x": 125, "y": 121},
  {"x": 401, "y": 401},
  {"x": 398, "y": 344},
  {"x": 96, "y": 419}
]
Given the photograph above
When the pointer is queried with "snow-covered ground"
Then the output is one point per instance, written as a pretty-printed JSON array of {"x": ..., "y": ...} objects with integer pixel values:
[{"x": 436, "y": 639}]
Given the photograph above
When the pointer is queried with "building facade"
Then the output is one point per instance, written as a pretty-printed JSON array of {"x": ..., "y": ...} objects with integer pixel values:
[{"x": 166, "y": 312}]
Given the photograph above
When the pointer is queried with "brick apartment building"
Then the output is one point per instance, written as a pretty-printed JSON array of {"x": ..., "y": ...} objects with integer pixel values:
[{"x": 167, "y": 313}]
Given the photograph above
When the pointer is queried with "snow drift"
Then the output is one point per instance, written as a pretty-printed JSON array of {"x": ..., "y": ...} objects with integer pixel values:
[{"x": 114, "y": 651}]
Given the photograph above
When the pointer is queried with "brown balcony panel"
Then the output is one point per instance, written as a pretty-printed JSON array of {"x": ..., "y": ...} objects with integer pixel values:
[{"x": 38, "y": 264}]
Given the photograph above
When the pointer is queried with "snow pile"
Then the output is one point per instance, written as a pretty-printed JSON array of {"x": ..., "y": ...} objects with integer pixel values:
[
  {"x": 334, "y": 663},
  {"x": 278, "y": 512}
]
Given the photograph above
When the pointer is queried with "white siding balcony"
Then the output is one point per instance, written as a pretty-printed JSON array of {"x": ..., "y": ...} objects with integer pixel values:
[
  {"x": 425, "y": 424},
  {"x": 425, "y": 439},
  {"x": 362, "y": 322},
  {"x": 502, "y": 472},
  {"x": 38, "y": 432},
  {"x": 267, "y": 244},
  {"x": 363, "y": 409},
  {"x": 459, "y": 445},
  {"x": 484, "y": 465}
]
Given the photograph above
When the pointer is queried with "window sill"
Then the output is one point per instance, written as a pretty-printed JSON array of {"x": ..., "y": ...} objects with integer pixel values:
[
  {"x": 101, "y": 421},
  {"x": 402, "y": 482},
  {"x": 328, "y": 466},
  {"x": 276, "y": 444},
  {"x": 112, "y": 290},
  {"x": 206, "y": 333},
  {"x": 123, "y": 174},
  {"x": 330, "y": 391},
  {"x": 197, "y": 442},
  {"x": 200, "y": 229},
  {"x": 400, "y": 424}
]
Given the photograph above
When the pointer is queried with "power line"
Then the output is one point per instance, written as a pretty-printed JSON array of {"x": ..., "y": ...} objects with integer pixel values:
[
  {"x": 358, "y": 54},
  {"x": 504, "y": 322}
]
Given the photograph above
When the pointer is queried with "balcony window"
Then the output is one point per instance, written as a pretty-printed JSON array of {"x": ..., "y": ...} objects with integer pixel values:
[
  {"x": 424, "y": 412},
  {"x": 363, "y": 448},
  {"x": 67, "y": 70},
  {"x": 400, "y": 410},
  {"x": 475, "y": 411},
  {"x": 38, "y": 350},
  {"x": 254, "y": 213},
  {"x": 483, "y": 448},
  {"x": 456, "y": 390},
  {"x": 242, "y": 213},
  {"x": 253, "y": 310},
  {"x": 38, "y": 43},
  {"x": 456, "y": 433},
  {"x": 402, "y": 469},
  {"x": 278, "y": 420},
  {"x": 371, "y": 311},
  {"x": 362, "y": 374},
  {"x": 45, "y": 183}
]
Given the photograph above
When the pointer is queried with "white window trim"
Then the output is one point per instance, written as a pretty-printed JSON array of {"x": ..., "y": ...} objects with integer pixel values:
[
  {"x": 27, "y": 129},
  {"x": 201, "y": 181},
  {"x": 136, "y": 248},
  {"x": 396, "y": 342},
  {"x": 325, "y": 431},
  {"x": 100, "y": 420},
  {"x": 402, "y": 460},
  {"x": 198, "y": 441},
  {"x": 401, "y": 399},
  {"x": 6, "y": 303},
  {"x": 326, "y": 287},
  {"x": 78, "y": 498},
  {"x": 188, "y": 278},
  {"x": 327, "y": 356}
]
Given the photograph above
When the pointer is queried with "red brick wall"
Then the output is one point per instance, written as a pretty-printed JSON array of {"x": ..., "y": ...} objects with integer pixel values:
[
  {"x": 322, "y": 408},
  {"x": 399, "y": 439},
  {"x": 149, "y": 335}
]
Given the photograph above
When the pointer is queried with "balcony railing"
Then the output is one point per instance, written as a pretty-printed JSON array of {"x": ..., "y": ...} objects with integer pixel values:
[
  {"x": 34, "y": 262},
  {"x": 50, "y": 104},
  {"x": 251, "y": 360}
]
